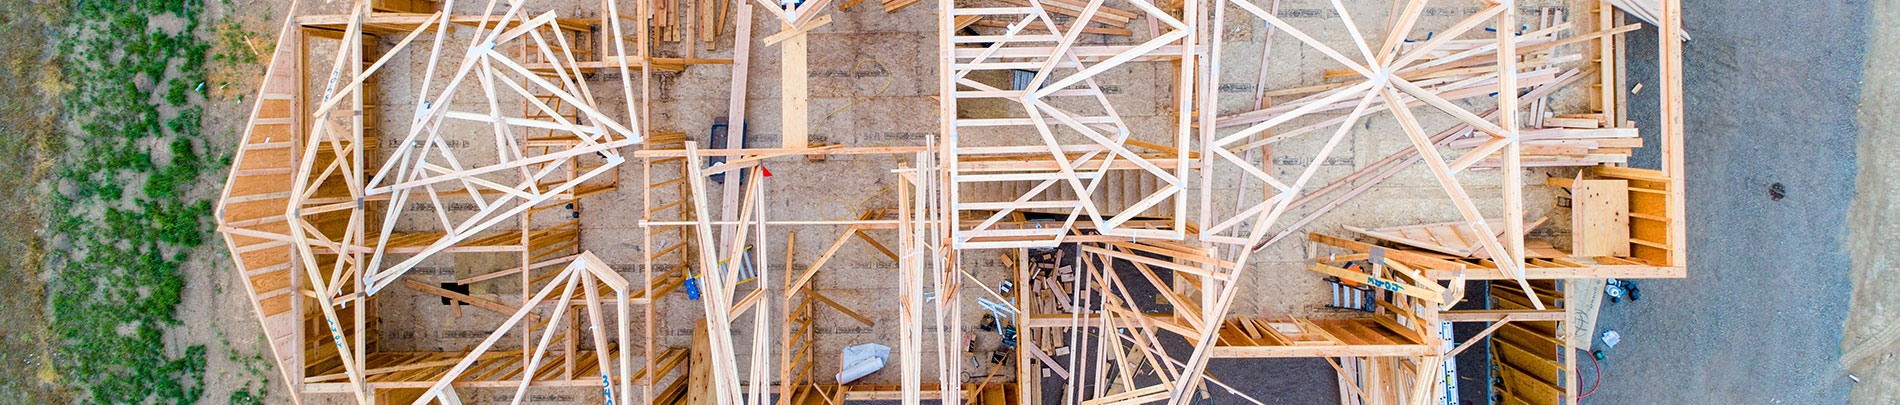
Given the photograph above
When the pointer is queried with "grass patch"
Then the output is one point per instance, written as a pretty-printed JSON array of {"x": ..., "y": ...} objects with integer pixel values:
[
  {"x": 124, "y": 216},
  {"x": 253, "y": 392}
]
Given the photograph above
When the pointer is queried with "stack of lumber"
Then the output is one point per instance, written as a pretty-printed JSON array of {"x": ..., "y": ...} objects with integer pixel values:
[
  {"x": 1565, "y": 140},
  {"x": 692, "y": 23},
  {"x": 665, "y": 23},
  {"x": 1547, "y": 139},
  {"x": 1456, "y": 240}
]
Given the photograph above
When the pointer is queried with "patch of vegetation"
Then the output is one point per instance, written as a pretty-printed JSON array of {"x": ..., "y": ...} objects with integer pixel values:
[
  {"x": 253, "y": 392},
  {"x": 124, "y": 213},
  {"x": 238, "y": 46},
  {"x": 239, "y": 53}
]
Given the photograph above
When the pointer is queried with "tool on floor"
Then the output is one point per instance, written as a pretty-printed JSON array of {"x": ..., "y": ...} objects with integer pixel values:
[
  {"x": 691, "y": 285},
  {"x": 1617, "y": 289},
  {"x": 746, "y": 272},
  {"x": 1009, "y": 345},
  {"x": 1000, "y": 310},
  {"x": 1348, "y": 294},
  {"x": 969, "y": 350}
]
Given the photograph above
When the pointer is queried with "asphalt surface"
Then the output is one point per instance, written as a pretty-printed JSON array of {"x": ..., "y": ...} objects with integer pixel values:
[{"x": 1771, "y": 90}]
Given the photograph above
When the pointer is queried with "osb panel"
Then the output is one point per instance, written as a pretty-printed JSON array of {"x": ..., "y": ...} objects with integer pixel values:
[{"x": 272, "y": 281}]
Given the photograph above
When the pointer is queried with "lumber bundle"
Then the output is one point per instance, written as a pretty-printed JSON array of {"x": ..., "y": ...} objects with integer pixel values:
[
  {"x": 694, "y": 24},
  {"x": 1567, "y": 146}
]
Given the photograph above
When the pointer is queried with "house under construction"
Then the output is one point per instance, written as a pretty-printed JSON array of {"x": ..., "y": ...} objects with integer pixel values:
[{"x": 1019, "y": 201}]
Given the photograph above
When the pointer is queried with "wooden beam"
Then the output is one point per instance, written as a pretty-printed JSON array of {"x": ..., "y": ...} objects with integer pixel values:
[
  {"x": 798, "y": 31},
  {"x": 1367, "y": 350},
  {"x": 712, "y": 283},
  {"x": 812, "y": 271},
  {"x": 868, "y": 322},
  {"x": 741, "y": 64},
  {"x": 1494, "y": 315},
  {"x": 794, "y": 130},
  {"x": 1036, "y": 352},
  {"x": 482, "y": 303}
]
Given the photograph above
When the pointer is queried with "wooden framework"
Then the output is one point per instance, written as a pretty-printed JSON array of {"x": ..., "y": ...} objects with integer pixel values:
[
  {"x": 1082, "y": 136},
  {"x": 298, "y": 204},
  {"x": 319, "y": 219}
]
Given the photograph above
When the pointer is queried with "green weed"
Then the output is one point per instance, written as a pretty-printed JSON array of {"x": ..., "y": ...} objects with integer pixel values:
[{"x": 137, "y": 68}]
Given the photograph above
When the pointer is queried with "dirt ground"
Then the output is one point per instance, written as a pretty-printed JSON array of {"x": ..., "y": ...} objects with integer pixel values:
[
  {"x": 26, "y": 375},
  {"x": 215, "y": 311},
  {"x": 1873, "y": 323}
]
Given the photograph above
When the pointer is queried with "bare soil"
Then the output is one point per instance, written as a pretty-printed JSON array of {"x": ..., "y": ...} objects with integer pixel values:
[
  {"x": 215, "y": 311},
  {"x": 1873, "y": 322},
  {"x": 25, "y": 66}
]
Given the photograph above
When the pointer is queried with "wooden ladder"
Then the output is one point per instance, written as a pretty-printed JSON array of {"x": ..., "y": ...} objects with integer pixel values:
[{"x": 664, "y": 243}]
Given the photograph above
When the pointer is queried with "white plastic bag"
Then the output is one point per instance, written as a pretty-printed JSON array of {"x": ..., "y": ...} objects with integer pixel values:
[{"x": 862, "y": 360}]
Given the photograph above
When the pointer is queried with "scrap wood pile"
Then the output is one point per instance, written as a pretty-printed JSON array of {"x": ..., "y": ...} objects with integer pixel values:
[
  {"x": 1051, "y": 291},
  {"x": 1558, "y": 139}
]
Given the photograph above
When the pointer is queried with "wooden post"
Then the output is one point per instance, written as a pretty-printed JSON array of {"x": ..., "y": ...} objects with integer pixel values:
[
  {"x": 1672, "y": 126},
  {"x": 793, "y": 94}
]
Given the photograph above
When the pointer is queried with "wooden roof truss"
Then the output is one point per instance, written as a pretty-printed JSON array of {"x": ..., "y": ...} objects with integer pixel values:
[
  {"x": 569, "y": 123},
  {"x": 1061, "y": 102}
]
